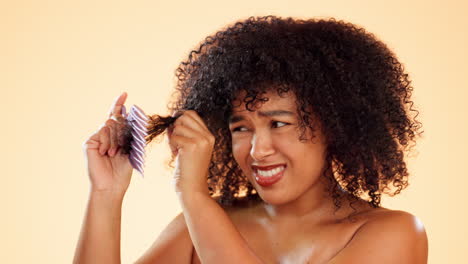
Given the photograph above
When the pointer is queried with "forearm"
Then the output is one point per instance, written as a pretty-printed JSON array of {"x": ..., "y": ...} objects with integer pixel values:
[
  {"x": 213, "y": 234},
  {"x": 99, "y": 240}
]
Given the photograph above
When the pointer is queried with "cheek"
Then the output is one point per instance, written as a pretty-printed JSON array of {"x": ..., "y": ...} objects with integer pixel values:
[
  {"x": 299, "y": 154},
  {"x": 240, "y": 150},
  {"x": 289, "y": 145},
  {"x": 313, "y": 159}
]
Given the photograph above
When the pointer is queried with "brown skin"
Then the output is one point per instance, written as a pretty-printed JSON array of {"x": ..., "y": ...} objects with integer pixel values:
[
  {"x": 109, "y": 172},
  {"x": 387, "y": 236},
  {"x": 296, "y": 222},
  {"x": 286, "y": 227},
  {"x": 268, "y": 137}
]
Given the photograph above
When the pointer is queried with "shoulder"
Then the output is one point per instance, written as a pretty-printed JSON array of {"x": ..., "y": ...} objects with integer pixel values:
[
  {"x": 384, "y": 219},
  {"x": 386, "y": 236},
  {"x": 393, "y": 225}
]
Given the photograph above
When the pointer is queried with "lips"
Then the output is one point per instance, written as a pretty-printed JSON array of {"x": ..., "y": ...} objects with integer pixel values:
[{"x": 269, "y": 175}]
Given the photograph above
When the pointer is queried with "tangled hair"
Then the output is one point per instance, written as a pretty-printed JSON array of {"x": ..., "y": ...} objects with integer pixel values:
[{"x": 355, "y": 85}]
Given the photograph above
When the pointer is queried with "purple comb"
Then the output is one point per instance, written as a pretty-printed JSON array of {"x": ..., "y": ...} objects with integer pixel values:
[{"x": 138, "y": 122}]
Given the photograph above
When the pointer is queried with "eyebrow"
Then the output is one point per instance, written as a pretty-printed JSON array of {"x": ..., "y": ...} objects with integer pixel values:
[{"x": 237, "y": 118}]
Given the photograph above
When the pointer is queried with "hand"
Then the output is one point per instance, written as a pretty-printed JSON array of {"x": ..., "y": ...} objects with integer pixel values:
[
  {"x": 192, "y": 144},
  {"x": 108, "y": 168}
]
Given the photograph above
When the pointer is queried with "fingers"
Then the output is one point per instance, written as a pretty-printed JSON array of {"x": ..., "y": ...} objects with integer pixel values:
[
  {"x": 116, "y": 108},
  {"x": 192, "y": 119},
  {"x": 108, "y": 138},
  {"x": 113, "y": 137},
  {"x": 189, "y": 130},
  {"x": 104, "y": 139},
  {"x": 178, "y": 142},
  {"x": 186, "y": 131},
  {"x": 180, "y": 135}
]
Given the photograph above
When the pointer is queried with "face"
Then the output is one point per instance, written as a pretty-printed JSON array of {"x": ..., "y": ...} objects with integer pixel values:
[{"x": 266, "y": 145}]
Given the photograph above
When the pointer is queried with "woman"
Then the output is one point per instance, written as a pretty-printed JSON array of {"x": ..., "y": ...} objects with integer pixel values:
[{"x": 285, "y": 134}]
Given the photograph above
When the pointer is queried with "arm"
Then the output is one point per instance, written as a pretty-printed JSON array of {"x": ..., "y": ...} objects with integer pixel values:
[
  {"x": 214, "y": 236},
  {"x": 173, "y": 245},
  {"x": 109, "y": 172},
  {"x": 99, "y": 240},
  {"x": 395, "y": 237}
]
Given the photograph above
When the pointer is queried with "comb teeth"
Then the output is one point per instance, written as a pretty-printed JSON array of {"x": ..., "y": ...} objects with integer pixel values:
[{"x": 138, "y": 120}]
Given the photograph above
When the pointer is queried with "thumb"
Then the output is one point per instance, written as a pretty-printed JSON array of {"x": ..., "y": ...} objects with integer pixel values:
[{"x": 91, "y": 146}]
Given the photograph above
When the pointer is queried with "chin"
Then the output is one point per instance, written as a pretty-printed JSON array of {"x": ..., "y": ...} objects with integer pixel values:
[{"x": 273, "y": 197}]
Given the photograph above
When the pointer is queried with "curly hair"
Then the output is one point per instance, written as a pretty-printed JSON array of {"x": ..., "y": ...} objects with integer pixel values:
[{"x": 355, "y": 85}]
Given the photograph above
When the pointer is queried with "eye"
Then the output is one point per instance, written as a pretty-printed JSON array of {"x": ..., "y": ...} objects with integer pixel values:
[
  {"x": 239, "y": 129},
  {"x": 277, "y": 124}
]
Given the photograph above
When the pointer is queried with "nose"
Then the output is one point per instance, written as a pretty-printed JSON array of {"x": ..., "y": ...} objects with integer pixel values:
[{"x": 262, "y": 146}]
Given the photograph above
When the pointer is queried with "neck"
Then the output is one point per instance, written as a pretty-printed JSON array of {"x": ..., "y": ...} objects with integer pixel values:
[{"x": 315, "y": 205}]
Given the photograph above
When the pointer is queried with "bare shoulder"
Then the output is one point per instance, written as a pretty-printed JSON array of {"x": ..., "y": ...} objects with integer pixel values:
[
  {"x": 173, "y": 244},
  {"x": 396, "y": 222},
  {"x": 387, "y": 236}
]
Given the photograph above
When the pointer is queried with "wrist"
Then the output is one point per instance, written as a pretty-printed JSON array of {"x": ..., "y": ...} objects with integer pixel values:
[
  {"x": 188, "y": 188},
  {"x": 113, "y": 196},
  {"x": 192, "y": 193},
  {"x": 191, "y": 199}
]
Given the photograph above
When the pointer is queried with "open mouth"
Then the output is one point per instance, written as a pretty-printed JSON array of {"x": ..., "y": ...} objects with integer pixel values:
[{"x": 268, "y": 176}]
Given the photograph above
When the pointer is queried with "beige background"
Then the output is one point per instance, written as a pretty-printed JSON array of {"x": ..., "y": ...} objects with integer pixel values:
[{"x": 62, "y": 63}]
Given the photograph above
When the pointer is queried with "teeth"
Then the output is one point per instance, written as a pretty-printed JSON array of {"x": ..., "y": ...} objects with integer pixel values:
[{"x": 270, "y": 173}]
